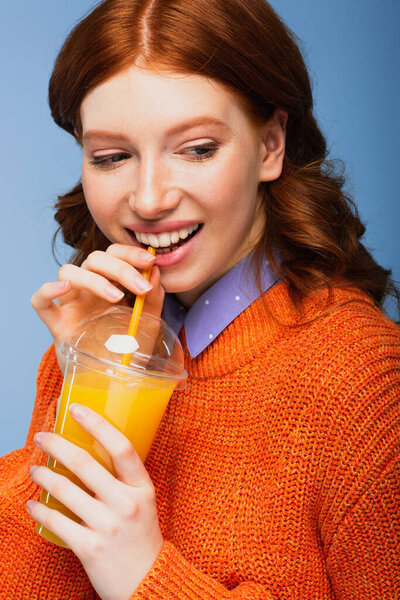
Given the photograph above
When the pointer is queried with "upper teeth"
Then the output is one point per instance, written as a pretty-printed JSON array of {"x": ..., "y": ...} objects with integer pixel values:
[{"x": 163, "y": 240}]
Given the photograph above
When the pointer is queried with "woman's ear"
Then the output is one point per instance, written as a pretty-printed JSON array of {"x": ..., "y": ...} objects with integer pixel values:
[{"x": 272, "y": 147}]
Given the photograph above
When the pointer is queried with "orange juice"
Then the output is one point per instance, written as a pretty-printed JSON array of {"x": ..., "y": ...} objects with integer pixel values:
[{"x": 135, "y": 408}]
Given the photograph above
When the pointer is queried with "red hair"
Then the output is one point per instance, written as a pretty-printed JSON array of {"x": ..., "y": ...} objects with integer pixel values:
[{"x": 245, "y": 46}]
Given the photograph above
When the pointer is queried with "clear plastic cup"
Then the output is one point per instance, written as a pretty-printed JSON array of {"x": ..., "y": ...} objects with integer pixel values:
[{"x": 133, "y": 398}]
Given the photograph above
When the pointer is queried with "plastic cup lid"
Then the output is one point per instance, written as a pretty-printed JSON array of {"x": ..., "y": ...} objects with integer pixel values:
[{"x": 100, "y": 341}]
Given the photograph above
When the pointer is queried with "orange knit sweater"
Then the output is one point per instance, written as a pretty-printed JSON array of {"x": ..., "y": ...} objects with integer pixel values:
[{"x": 276, "y": 469}]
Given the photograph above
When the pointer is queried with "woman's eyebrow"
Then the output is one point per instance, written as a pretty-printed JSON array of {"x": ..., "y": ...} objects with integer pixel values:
[
  {"x": 97, "y": 134},
  {"x": 174, "y": 130},
  {"x": 196, "y": 121}
]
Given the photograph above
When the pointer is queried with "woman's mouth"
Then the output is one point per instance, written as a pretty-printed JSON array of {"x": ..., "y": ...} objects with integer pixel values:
[
  {"x": 167, "y": 242},
  {"x": 172, "y": 247}
]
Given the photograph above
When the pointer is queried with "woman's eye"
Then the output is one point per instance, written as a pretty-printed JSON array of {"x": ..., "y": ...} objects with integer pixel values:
[
  {"x": 108, "y": 162},
  {"x": 205, "y": 152}
]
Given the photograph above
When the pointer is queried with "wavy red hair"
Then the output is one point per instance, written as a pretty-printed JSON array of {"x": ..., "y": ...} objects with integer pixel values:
[{"x": 245, "y": 46}]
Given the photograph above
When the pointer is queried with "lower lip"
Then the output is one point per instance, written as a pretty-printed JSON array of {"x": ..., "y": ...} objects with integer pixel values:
[{"x": 175, "y": 256}]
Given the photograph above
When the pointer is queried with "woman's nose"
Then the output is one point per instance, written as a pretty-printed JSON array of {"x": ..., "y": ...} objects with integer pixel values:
[{"x": 153, "y": 192}]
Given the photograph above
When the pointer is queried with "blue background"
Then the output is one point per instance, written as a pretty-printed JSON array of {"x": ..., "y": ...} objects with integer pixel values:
[{"x": 353, "y": 52}]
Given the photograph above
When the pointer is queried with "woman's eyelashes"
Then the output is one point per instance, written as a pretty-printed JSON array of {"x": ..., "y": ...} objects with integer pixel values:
[
  {"x": 110, "y": 162},
  {"x": 209, "y": 151}
]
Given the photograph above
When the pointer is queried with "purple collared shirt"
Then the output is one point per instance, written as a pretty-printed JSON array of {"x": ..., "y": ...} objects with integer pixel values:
[{"x": 218, "y": 306}]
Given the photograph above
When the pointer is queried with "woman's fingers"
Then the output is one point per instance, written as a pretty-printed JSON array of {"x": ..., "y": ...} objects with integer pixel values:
[
  {"x": 73, "y": 497},
  {"x": 95, "y": 276},
  {"x": 91, "y": 282},
  {"x": 67, "y": 530},
  {"x": 127, "y": 464},
  {"x": 132, "y": 254},
  {"x": 117, "y": 264},
  {"x": 43, "y": 301},
  {"x": 81, "y": 289},
  {"x": 113, "y": 265},
  {"x": 126, "y": 461},
  {"x": 91, "y": 473}
]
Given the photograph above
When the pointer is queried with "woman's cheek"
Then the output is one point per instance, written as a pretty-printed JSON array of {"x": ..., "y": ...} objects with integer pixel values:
[{"x": 101, "y": 198}]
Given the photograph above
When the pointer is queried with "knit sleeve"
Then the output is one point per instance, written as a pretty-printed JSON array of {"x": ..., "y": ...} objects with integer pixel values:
[
  {"x": 360, "y": 515},
  {"x": 48, "y": 386},
  {"x": 363, "y": 559},
  {"x": 13, "y": 465},
  {"x": 172, "y": 577},
  {"x": 364, "y": 556}
]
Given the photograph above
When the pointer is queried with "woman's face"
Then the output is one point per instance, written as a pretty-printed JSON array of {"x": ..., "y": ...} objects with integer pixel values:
[{"x": 153, "y": 164}]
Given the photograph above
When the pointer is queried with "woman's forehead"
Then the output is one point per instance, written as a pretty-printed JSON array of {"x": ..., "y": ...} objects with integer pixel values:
[{"x": 171, "y": 98}]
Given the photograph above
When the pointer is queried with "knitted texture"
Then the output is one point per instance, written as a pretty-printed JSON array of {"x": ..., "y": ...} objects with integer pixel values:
[{"x": 276, "y": 470}]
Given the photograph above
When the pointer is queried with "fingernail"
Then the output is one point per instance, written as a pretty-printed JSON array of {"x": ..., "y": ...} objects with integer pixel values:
[
  {"x": 38, "y": 438},
  {"x": 114, "y": 293},
  {"x": 143, "y": 285},
  {"x": 77, "y": 410},
  {"x": 33, "y": 469},
  {"x": 147, "y": 256},
  {"x": 29, "y": 505},
  {"x": 63, "y": 284}
]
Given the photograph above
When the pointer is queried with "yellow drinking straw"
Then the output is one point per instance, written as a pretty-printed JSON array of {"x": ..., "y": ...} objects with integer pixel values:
[{"x": 137, "y": 310}]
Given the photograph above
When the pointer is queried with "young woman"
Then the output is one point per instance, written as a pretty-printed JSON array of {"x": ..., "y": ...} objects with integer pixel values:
[{"x": 275, "y": 473}]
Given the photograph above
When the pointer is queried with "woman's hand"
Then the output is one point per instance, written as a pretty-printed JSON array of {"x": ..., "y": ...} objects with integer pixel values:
[
  {"x": 120, "y": 537},
  {"x": 82, "y": 290}
]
